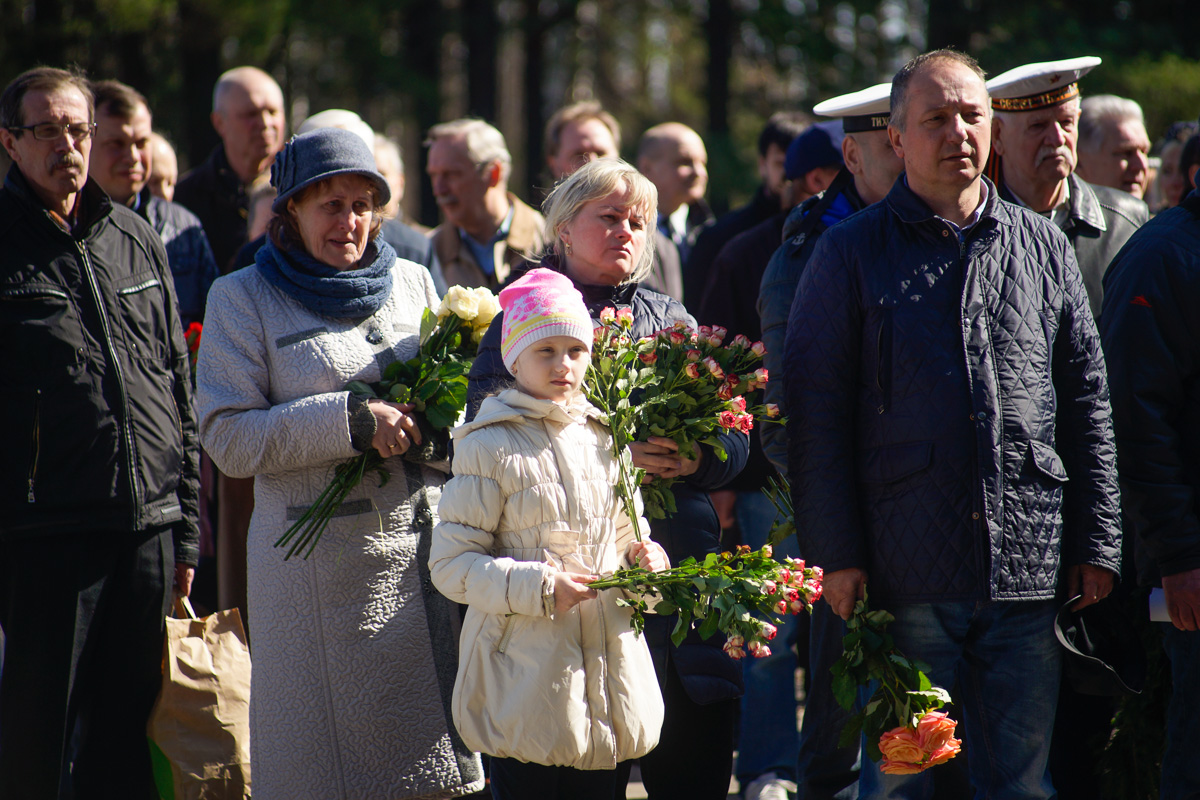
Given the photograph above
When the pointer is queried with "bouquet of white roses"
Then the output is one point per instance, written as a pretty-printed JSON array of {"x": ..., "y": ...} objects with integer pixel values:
[{"x": 434, "y": 381}]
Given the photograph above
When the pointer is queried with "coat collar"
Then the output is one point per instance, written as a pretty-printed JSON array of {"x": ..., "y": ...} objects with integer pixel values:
[
  {"x": 513, "y": 404},
  {"x": 911, "y": 209},
  {"x": 94, "y": 204}
]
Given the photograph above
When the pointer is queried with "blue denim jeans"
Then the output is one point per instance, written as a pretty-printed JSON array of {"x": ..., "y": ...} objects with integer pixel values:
[
  {"x": 769, "y": 740},
  {"x": 1180, "y": 768},
  {"x": 1006, "y": 662}
]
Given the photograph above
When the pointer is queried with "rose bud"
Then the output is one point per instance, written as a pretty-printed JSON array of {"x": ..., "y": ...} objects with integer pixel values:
[
  {"x": 769, "y": 631},
  {"x": 705, "y": 331},
  {"x": 738, "y": 404},
  {"x": 607, "y": 315},
  {"x": 760, "y": 375},
  {"x": 759, "y": 649},
  {"x": 692, "y": 355},
  {"x": 781, "y": 607},
  {"x": 714, "y": 368},
  {"x": 677, "y": 338},
  {"x": 772, "y": 410},
  {"x": 724, "y": 392},
  {"x": 767, "y": 550},
  {"x": 734, "y": 652},
  {"x": 759, "y": 349},
  {"x": 785, "y": 575},
  {"x": 796, "y": 606},
  {"x": 692, "y": 371},
  {"x": 741, "y": 342},
  {"x": 625, "y": 317},
  {"x": 720, "y": 333},
  {"x": 726, "y": 419}
]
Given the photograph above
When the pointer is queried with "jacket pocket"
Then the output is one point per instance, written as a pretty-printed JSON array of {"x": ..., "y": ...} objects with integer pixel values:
[
  {"x": 896, "y": 462},
  {"x": 1047, "y": 461},
  {"x": 883, "y": 336}
]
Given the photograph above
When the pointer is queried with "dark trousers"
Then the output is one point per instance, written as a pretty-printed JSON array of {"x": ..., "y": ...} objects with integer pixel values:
[
  {"x": 517, "y": 780},
  {"x": 694, "y": 757},
  {"x": 83, "y": 622}
]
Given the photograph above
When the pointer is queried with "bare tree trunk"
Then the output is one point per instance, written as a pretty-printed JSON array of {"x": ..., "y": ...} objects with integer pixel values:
[
  {"x": 480, "y": 32},
  {"x": 422, "y": 49},
  {"x": 719, "y": 29}
]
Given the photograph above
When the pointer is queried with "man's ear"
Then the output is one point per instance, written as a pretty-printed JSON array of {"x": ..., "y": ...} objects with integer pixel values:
[
  {"x": 997, "y": 145},
  {"x": 896, "y": 140},
  {"x": 493, "y": 175},
  {"x": 218, "y": 122},
  {"x": 9, "y": 140}
]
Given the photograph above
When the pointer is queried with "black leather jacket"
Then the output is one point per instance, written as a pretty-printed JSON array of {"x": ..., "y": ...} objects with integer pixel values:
[{"x": 100, "y": 431}]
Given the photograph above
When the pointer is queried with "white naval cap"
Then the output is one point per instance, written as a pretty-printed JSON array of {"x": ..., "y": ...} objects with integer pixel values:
[
  {"x": 864, "y": 110},
  {"x": 1040, "y": 85}
]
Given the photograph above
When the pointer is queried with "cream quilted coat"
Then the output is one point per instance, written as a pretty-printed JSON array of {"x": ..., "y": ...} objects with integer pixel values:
[
  {"x": 354, "y": 652},
  {"x": 532, "y": 493}
]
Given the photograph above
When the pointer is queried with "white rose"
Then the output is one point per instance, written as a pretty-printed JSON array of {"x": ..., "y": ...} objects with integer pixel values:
[
  {"x": 462, "y": 302},
  {"x": 489, "y": 307}
]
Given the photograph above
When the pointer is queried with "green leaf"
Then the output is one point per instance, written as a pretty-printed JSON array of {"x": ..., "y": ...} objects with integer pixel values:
[
  {"x": 360, "y": 389},
  {"x": 164, "y": 777},
  {"x": 428, "y": 323},
  {"x": 851, "y": 731},
  {"x": 845, "y": 690}
]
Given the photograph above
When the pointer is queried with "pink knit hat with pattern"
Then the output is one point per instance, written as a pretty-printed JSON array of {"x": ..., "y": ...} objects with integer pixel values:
[{"x": 541, "y": 304}]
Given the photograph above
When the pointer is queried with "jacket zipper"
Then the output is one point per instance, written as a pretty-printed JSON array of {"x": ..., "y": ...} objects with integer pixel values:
[
  {"x": 884, "y": 364},
  {"x": 37, "y": 442},
  {"x": 506, "y": 634},
  {"x": 126, "y": 424}
]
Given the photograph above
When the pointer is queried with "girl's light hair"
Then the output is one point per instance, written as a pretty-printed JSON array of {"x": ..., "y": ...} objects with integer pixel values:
[{"x": 595, "y": 181}]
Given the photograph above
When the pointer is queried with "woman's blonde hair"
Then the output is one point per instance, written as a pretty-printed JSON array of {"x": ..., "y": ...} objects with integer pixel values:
[{"x": 595, "y": 181}]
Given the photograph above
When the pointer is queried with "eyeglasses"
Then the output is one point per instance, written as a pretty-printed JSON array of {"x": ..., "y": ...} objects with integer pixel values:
[{"x": 48, "y": 131}]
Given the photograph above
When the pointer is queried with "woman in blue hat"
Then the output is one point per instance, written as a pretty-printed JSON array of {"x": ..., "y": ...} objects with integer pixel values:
[{"x": 354, "y": 652}]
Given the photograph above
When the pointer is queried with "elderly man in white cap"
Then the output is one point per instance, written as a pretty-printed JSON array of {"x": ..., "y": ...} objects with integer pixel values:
[
  {"x": 824, "y": 770},
  {"x": 1035, "y": 128}
]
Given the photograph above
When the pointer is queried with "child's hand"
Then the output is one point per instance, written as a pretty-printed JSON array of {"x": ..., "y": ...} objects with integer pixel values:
[
  {"x": 571, "y": 589},
  {"x": 647, "y": 555}
]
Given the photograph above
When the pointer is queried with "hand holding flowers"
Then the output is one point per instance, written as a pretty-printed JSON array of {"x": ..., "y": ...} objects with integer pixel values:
[
  {"x": 900, "y": 722},
  {"x": 432, "y": 385}
]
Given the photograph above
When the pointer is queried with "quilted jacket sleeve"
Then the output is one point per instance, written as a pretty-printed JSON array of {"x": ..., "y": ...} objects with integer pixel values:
[
  {"x": 1151, "y": 335},
  {"x": 821, "y": 368},
  {"x": 239, "y": 427},
  {"x": 1091, "y": 513},
  {"x": 461, "y": 563}
]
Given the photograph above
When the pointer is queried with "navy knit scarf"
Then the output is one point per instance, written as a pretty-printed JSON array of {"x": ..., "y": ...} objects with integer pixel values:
[{"x": 328, "y": 291}]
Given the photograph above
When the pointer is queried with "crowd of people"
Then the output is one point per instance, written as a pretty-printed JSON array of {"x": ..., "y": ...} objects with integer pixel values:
[{"x": 973, "y": 296}]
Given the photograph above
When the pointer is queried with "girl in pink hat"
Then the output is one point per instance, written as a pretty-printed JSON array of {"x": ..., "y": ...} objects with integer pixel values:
[{"x": 552, "y": 682}]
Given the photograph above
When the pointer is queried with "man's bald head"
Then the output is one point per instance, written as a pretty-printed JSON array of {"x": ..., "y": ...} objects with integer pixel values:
[
  {"x": 248, "y": 116},
  {"x": 673, "y": 157}
]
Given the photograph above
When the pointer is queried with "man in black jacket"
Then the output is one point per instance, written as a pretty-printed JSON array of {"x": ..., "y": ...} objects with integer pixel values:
[
  {"x": 1151, "y": 335},
  {"x": 98, "y": 494},
  {"x": 949, "y": 433}
]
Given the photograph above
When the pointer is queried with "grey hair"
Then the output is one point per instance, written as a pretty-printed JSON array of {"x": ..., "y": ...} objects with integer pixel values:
[
  {"x": 485, "y": 144},
  {"x": 386, "y": 148},
  {"x": 595, "y": 181},
  {"x": 1098, "y": 110}
]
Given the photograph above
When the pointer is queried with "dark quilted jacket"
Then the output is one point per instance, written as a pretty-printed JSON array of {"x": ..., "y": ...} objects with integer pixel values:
[
  {"x": 949, "y": 429},
  {"x": 1151, "y": 332}
]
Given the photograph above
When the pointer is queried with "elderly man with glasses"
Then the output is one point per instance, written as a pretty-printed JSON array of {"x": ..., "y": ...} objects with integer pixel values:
[{"x": 98, "y": 491}]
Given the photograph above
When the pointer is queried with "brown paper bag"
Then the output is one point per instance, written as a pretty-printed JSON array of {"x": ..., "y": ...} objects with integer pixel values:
[{"x": 200, "y": 726}]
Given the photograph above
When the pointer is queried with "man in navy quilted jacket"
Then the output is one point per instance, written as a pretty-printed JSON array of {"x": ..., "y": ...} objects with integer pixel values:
[{"x": 949, "y": 441}]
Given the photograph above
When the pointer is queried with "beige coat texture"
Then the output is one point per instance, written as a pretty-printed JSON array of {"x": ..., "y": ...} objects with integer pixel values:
[
  {"x": 354, "y": 652},
  {"x": 532, "y": 494}
]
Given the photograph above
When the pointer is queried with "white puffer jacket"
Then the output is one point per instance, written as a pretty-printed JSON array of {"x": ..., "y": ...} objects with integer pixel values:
[{"x": 533, "y": 494}]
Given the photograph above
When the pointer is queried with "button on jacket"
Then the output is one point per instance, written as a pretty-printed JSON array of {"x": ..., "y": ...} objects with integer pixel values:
[{"x": 949, "y": 424}]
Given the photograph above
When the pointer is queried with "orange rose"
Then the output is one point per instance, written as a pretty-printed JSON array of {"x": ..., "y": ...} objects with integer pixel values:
[
  {"x": 934, "y": 730},
  {"x": 944, "y": 753},
  {"x": 902, "y": 745},
  {"x": 899, "y": 768}
]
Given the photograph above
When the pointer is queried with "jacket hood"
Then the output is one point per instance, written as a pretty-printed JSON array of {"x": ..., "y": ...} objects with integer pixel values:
[{"x": 513, "y": 404}]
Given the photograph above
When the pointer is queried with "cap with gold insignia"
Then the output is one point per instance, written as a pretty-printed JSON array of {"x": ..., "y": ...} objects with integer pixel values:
[
  {"x": 1040, "y": 85},
  {"x": 865, "y": 110}
]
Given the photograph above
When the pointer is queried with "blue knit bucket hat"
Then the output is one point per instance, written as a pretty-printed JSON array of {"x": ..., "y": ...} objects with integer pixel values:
[{"x": 321, "y": 154}]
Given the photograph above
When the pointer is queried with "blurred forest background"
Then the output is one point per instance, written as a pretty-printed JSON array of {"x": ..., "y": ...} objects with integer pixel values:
[{"x": 721, "y": 66}]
